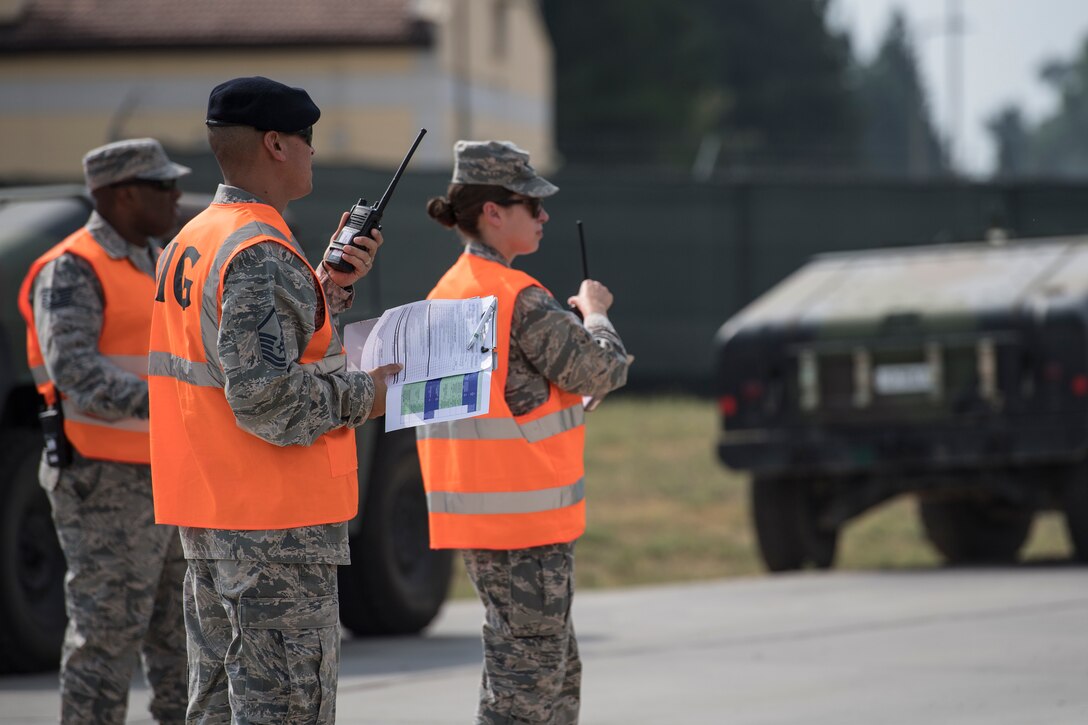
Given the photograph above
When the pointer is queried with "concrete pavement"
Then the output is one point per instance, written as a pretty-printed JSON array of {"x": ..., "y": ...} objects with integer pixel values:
[{"x": 949, "y": 647}]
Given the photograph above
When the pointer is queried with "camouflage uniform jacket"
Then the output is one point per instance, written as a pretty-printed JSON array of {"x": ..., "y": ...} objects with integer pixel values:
[
  {"x": 267, "y": 290},
  {"x": 68, "y": 315},
  {"x": 549, "y": 343}
]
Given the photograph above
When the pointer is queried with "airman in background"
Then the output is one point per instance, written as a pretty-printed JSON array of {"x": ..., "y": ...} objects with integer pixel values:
[{"x": 87, "y": 304}]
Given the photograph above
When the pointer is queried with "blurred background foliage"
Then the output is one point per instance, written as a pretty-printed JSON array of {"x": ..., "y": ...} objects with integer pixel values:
[
  {"x": 1058, "y": 145},
  {"x": 697, "y": 84}
]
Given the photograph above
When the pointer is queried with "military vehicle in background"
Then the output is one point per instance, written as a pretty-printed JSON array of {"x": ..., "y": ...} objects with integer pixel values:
[
  {"x": 395, "y": 585},
  {"x": 956, "y": 373}
]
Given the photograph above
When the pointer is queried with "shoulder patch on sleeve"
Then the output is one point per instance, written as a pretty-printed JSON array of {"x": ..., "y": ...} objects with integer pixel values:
[
  {"x": 54, "y": 298},
  {"x": 270, "y": 335}
]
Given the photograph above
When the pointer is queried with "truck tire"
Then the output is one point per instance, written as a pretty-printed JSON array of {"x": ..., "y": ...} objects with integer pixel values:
[
  {"x": 32, "y": 566},
  {"x": 975, "y": 532},
  {"x": 1076, "y": 515},
  {"x": 785, "y": 518},
  {"x": 396, "y": 583}
]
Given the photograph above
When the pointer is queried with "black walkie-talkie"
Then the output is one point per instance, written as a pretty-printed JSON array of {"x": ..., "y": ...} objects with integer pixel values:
[
  {"x": 585, "y": 262},
  {"x": 58, "y": 451},
  {"x": 582, "y": 244},
  {"x": 363, "y": 219}
]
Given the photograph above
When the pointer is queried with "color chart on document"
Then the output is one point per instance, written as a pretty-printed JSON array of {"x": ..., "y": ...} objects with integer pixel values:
[{"x": 434, "y": 400}]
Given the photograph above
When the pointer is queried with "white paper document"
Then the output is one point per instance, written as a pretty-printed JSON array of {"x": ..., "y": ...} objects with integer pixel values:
[{"x": 447, "y": 348}]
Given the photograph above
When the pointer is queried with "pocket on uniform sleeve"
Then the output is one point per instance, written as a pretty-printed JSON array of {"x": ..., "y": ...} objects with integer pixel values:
[
  {"x": 541, "y": 588},
  {"x": 290, "y": 650}
]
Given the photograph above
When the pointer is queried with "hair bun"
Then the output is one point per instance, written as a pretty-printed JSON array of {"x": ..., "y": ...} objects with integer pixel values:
[{"x": 439, "y": 209}]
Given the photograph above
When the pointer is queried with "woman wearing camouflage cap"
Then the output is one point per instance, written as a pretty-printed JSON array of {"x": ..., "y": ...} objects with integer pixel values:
[{"x": 507, "y": 488}]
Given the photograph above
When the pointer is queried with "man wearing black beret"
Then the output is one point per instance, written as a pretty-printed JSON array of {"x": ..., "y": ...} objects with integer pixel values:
[
  {"x": 262, "y": 104},
  {"x": 252, "y": 410}
]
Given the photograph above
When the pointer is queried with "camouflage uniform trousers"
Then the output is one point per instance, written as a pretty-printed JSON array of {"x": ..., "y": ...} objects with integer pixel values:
[
  {"x": 532, "y": 672},
  {"x": 122, "y": 591},
  {"x": 263, "y": 640}
]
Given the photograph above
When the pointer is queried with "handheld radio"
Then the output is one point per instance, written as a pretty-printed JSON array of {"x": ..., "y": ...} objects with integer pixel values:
[
  {"x": 582, "y": 243},
  {"x": 363, "y": 219},
  {"x": 585, "y": 262}
]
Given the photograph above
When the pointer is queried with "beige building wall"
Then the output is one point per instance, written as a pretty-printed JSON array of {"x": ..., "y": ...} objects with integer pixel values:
[
  {"x": 498, "y": 60},
  {"x": 489, "y": 75}
]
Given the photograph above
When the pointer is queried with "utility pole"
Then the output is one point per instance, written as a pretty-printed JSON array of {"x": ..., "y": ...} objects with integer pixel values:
[{"x": 955, "y": 29}]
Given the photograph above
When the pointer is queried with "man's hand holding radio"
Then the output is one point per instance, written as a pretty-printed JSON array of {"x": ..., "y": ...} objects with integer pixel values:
[{"x": 359, "y": 254}]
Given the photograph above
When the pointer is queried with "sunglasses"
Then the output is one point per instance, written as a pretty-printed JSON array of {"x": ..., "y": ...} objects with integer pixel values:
[
  {"x": 306, "y": 134},
  {"x": 157, "y": 184},
  {"x": 535, "y": 206}
]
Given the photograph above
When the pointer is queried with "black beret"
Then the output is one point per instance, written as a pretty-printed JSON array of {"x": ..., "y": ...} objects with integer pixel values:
[{"x": 261, "y": 103}]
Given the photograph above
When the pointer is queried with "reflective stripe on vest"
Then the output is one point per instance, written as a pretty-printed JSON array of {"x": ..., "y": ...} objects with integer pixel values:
[
  {"x": 210, "y": 373},
  {"x": 498, "y": 429},
  {"x": 127, "y": 293},
  {"x": 135, "y": 364},
  {"x": 72, "y": 414},
  {"x": 209, "y": 303},
  {"x": 501, "y": 481},
  {"x": 204, "y": 375},
  {"x": 207, "y": 471},
  {"x": 40, "y": 375},
  {"x": 509, "y": 502}
]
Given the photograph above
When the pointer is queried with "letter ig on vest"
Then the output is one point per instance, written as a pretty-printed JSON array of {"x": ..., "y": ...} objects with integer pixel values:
[{"x": 181, "y": 284}]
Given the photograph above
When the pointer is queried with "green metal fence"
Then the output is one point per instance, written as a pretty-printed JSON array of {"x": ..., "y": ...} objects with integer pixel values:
[{"x": 680, "y": 256}]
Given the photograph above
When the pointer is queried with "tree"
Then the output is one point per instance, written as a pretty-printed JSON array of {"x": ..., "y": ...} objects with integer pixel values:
[
  {"x": 650, "y": 80},
  {"x": 1010, "y": 133},
  {"x": 898, "y": 137},
  {"x": 1059, "y": 145},
  {"x": 629, "y": 77},
  {"x": 787, "y": 74}
]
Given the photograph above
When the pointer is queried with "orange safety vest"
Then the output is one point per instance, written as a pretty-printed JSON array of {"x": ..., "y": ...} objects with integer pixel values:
[
  {"x": 206, "y": 471},
  {"x": 500, "y": 481},
  {"x": 126, "y": 322}
]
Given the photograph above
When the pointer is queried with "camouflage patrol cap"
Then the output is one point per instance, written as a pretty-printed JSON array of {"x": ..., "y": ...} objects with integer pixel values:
[
  {"x": 136, "y": 158},
  {"x": 499, "y": 163}
]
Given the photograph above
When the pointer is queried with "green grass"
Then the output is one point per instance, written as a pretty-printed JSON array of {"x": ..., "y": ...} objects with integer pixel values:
[{"x": 661, "y": 508}]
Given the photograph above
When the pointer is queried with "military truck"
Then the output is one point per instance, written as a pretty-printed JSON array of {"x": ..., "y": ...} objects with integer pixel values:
[
  {"x": 954, "y": 373},
  {"x": 395, "y": 584}
]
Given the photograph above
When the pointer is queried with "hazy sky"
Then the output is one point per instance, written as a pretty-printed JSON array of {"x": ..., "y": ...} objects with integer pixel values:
[{"x": 1005, "y": 43}]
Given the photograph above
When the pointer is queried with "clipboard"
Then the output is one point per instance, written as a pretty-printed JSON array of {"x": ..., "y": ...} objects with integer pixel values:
[{"x": 447, "y": 348}]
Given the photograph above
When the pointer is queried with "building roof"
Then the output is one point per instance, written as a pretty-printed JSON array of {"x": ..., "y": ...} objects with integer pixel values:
[{"x": 80, "y": 25}]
